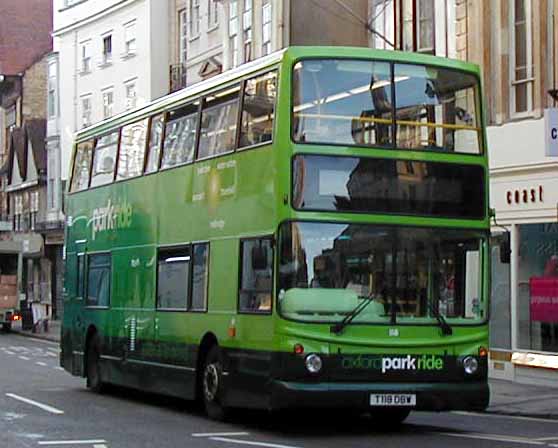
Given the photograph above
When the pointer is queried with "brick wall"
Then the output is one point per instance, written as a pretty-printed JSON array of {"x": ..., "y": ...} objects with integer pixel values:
[{"x": 35, "y": 90}]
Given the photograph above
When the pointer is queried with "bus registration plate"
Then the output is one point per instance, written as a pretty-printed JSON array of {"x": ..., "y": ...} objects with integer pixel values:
[{"x": 393, "y": 400}]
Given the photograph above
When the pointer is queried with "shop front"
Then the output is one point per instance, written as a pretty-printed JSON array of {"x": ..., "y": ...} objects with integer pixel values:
[{"x": 524, "y": 311}]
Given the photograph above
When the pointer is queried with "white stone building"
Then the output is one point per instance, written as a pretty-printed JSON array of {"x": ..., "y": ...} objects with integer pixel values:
[{"x": 113, "y": 55}]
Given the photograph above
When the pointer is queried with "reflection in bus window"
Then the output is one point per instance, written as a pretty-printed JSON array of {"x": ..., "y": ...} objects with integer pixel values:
[
  {"x": 218, "y": 123},
  {"x": 436, "y": 109},
  {"x": 104, "y": 159},
  {"x": 258, "y": 110},
  {"x": 82, "y": 163},
  {"x": 256, "y": 276},
  {"x": 132, "y": 150},
  {"x": 200, "y": 276},
  {"x": 155, "y": 140},
  {"x": 342, "y": 102},
  {"x": 98, "y": 280},
  {"x": 173, "y": 278},
  {"x": 180, "y": 136}
]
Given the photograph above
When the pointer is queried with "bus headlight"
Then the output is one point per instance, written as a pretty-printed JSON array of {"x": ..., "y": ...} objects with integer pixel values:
[
  {"x": 470, "y": 365},
  {"x": 313, "y": 363}
]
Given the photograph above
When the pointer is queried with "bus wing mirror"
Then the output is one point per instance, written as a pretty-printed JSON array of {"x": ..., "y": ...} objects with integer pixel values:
[
  {"x": 505, "y": 249},
  {"x": 259, "y": 258}
]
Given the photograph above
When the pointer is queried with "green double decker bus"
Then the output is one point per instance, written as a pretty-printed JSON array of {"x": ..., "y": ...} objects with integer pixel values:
[{"x": 307, "y": 230}]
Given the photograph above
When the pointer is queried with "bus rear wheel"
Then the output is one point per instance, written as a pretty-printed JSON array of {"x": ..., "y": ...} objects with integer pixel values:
[
  {"x": 93, "y": 368},
  {"x": 212, "y": 387}
]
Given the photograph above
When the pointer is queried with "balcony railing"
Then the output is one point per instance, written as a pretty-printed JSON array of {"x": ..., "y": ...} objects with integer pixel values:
[{"x": 177, "y": 77}]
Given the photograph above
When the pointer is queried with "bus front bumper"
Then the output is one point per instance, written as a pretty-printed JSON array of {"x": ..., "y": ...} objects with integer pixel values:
[{"x": 429, "y": 397}]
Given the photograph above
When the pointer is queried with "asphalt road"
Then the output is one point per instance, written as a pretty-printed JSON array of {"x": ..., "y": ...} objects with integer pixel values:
[{"x": 43, "y": 406}]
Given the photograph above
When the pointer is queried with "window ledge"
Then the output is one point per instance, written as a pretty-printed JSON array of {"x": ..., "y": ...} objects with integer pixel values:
[
  {"x": 84, "y": 72},
  {"x": 105, "y": 64},
  {"x": 194, "y": 38},
  {"x": 128, "y": 55}
]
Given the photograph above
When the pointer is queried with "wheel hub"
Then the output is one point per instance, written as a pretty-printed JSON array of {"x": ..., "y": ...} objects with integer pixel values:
[{"x": 211, "y": 382}]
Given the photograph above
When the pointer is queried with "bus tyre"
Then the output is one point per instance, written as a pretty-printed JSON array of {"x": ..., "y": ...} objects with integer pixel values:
[
  {"x": 212, "y": 385},
  {"x": 93, "y": 368}
]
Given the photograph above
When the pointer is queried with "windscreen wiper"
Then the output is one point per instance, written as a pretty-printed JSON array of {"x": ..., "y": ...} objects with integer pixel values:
[
  {"x": 446, "y": 329},
  {"x": 340, "y": 326}
]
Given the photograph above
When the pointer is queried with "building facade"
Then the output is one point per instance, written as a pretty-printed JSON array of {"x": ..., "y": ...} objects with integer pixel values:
[
  {"x": 23, "y": 111},
  {"x": 112, "y": 56},
  {"x": 209, "y": 36}
]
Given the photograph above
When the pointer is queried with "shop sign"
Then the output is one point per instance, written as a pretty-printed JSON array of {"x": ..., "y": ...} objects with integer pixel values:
[
  {"x": 551, "y": 132},
  {"x": 530, "y": 195},
  {"x": 544, "y": 299}
]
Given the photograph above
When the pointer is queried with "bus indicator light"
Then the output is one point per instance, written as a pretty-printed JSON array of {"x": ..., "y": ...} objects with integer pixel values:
[
  {"x": 483, "y": 352},
  {"x": 298, "y": 349}
]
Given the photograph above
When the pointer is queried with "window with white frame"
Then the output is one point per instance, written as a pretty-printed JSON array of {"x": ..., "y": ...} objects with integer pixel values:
[
  {"x": 266, "y": 27},
  {"x": 130, "y": 46},
  {"x": 86, "y": 107},
  {"x": 247, "y": 30},
  {"x": 85, "y": 57},
  {"x": 194, "y": 17},
  {"x": 233, "y": 32},
  {"x": 108, "y": 103},
  {"x": 107, "y": 49},
  {"x": 33, "y": 208},
  {"x": 52, "y": 85},
  {"x": 382, "y": 19},
  {"x": 131, "y": 94},
  {"x": 417, "y": 22},
  {"x": 212, "y": 14},
  {"x": 521, "y": 58},
  {"x": 182, "y": 36},
  {"x": 53, "y": 178}
]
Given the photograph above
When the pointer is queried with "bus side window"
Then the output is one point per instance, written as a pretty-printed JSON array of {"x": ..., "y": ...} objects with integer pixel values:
[
  {"x": 98, "y": 280},
  {"x": 80, "y": 276},
  {"x": 82, "y": 162},
  {"x": 218, "y": 123},
  {"x": 256, "y": 276},
  {"x": 200, "y": 276},
  {"x": 180, "y": 135},
  {"x": 132, "y": 150},
  {"x": 154, "y": 145},
  {"x": 258, "y": 110},
  {"x": 104, "y": 159}
]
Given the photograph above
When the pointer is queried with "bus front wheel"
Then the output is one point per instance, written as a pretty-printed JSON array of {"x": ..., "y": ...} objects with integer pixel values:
[
  {"x": 93, "y": 369},
  {"x": 212, "y": 385}
]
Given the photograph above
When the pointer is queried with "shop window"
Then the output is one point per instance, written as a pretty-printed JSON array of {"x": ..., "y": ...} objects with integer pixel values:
[
  {"x": 538, "y": 287},
  {"x": 98, "y": 280},
  {"x": 256, "y": 276},
  {"x": 500, "y": 317}
]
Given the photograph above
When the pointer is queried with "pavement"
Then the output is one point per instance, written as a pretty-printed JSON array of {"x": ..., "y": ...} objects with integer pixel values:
[{"x": 506, "y": 397}]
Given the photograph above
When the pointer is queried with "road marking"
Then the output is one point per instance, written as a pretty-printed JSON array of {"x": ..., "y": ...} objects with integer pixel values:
[
  {"x": 59, "y": 368},
  {"x": 36, "y": 403},
  {"x": 73, "y": 442},
  {"x": 249, "y": 442},
  {"x": 543, "y": 439},
  {"x": 39, "y": 363},
  {"x": 100, "y": 446},
  {"x": 217, "y": 434},
  {"x": 513, "y": 417},
  {"x": 8, "y": 352},
  {"x": 25, "y": 358},
  {"x": 494, "y": 437}
]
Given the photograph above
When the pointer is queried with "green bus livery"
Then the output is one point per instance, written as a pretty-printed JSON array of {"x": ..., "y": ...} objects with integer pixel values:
[{"x": 307, "y": 230}]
